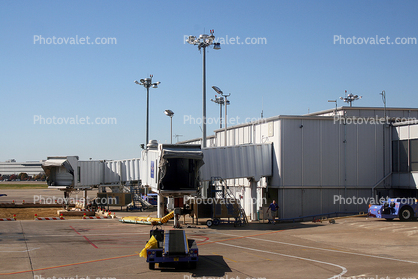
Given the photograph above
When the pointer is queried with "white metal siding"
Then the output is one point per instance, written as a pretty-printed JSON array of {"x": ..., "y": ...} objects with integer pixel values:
[
  {"x": 91, "y": 173},
  {"x": 330, "y": 155},
  {"x": 291, "y": 153},
  {"x": 311, "y": 152},
  {"x": 242, "y": 161}
]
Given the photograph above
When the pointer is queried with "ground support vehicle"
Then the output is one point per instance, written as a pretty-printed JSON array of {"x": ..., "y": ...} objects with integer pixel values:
[
  {"x": 173, "y": 249},
  {"x": 405, "y": 209},
  {"x": 219, "y": 211}
]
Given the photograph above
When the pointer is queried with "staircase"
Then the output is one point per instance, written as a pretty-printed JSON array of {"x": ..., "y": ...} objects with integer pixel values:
[
  {"x": 229, "y": 195},
  {"x": 136, "y": 196}
]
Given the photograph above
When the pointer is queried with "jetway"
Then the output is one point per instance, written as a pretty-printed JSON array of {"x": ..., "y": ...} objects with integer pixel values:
[
  {"x": 238, "y": 161},
  {"x": 67, "y": 172},
  {"x": 171, "y": 170}
]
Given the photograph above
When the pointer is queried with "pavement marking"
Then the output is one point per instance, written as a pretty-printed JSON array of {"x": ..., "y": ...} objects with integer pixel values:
[
  {"x": 324, "y": 249},
  {"x": 75, "y": 230},
  {"x": 344, "y": 270},
  {"x": 88, "y": 240},
  {"x": 66, "y": 265},
  {"x": 237, "y": 237},
  {"x": 85, "y": 237}
]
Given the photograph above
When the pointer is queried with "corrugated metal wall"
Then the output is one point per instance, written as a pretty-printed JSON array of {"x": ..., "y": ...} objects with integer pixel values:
[
  {"x": 122, "y": 171},
  {"x": 240, "y": 161},
  {"x": 91, "y": 173}
]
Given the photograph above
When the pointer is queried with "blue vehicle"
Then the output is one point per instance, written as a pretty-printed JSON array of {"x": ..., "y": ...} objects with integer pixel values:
[
  {"x": 151, "y": 198},
  {"x": 173, "y": 248},
  {"x": 406, "y": 209}
]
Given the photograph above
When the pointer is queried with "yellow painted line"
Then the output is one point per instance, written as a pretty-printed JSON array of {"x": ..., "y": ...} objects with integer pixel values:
[
  {"x": 258, "y": 256},
  {"x": 225, "y": 258}
]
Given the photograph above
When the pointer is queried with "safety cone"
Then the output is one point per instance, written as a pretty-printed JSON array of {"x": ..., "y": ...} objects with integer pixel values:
[
  {"x": 14, "y": 216},
  {"x": 23, "y": 202},
  {"x": 36, "y": 216},
  {"x": 13, "y": 202}
]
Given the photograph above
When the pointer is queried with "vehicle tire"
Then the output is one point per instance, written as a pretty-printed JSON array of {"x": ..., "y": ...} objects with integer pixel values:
[
  {"x": 406, "y": 214},
  {"x": 193, "y": 265},
  {"x": 151, "y": 266},
  {"x": 216, "y": 222},
  {"x": 209, "y": 223}
]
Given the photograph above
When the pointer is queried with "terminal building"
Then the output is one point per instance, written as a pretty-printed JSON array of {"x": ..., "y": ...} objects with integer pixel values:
[
  {"x": 329, "y": 161},
  {"x": 11, "y": 167}
]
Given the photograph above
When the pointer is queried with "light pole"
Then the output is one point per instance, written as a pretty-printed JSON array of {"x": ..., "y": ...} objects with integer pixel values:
[
  {"x": 334, "y": 101},
  {"x": 220, "y": 101},
  {"x": 147, "y": 83},
  {"x": 202, "y": 42},
  {"x": 170, "y": 113},
  {"x": 350, "y": 98},
  {"x": 226, "y": 102}
]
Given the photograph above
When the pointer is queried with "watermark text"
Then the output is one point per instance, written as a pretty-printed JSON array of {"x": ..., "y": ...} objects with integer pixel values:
[
  {"x": 40, "y": 40},
  {"x": 376, "y": 40},
  {"x": 39, "y": 119}
]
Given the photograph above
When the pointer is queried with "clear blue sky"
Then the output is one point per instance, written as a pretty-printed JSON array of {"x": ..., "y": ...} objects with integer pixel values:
[{"x": 298, "y": 67}]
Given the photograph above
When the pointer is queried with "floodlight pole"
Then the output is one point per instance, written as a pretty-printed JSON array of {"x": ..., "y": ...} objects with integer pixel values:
[
  {"x": 202, "y": 42},
  {"x": 220, "y": 114},
  {"x": 226, "y": 116},
  {"x": 225, "y": 101},
  {"x": 147, "y": 132},
  {"x": 170, "y": 113},
  {"x": 220, "y": 102},
  {"x": 147, "y": 83},
  {"x": 204, "y": 97},
  {"x": 171, "y": 129}
]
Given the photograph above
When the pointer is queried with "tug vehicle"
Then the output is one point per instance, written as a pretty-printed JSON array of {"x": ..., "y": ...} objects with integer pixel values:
[
  {"x": 406, "y": 209},
  {"x": 171, "y": 248}
]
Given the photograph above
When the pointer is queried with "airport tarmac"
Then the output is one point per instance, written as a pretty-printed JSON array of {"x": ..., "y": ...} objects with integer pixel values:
[{"x": 351, "y": 248}]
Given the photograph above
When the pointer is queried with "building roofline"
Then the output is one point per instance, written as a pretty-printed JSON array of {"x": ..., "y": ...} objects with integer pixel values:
[
  {"x": 359, "y": 108},
  {"x": 311, "y": 116}
]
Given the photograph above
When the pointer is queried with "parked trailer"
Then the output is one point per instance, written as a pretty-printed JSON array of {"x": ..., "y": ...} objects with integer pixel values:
[
  {"x": 406, "y": 209},
  {"x": 173, "y": 248},
  {"x": 218, "y": 211}
]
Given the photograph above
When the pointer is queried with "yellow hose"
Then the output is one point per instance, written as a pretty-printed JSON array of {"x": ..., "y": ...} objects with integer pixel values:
[
  {"x": 167, "y": 217},
  {"x": 148, "y": 220}
]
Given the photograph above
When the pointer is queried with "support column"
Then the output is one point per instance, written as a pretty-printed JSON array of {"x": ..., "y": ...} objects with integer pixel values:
[
  {"x": 160, "y": 206},
  {"x": 85, "y": 199},
  {"x": 253, "y": 185}
]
